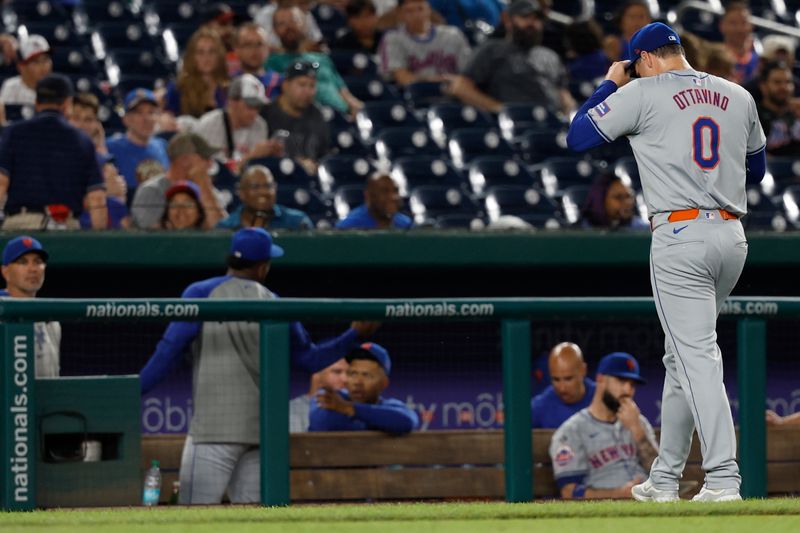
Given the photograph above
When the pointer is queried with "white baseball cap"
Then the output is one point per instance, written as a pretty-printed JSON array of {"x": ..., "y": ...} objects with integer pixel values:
[
  {"x": 33, "y": 46},
  {"x": 250, "y": 89}
]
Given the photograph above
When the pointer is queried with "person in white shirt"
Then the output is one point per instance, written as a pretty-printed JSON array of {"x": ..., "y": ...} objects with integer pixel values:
[{"x": 33, "y": 64}]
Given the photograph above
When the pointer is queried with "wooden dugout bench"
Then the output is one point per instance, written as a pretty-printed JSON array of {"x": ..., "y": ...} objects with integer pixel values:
[{"x": 430, "y": 465}]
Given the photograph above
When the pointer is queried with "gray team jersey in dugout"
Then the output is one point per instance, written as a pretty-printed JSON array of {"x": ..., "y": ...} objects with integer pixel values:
[
  {"x": 226, "y": 372},
  {"x": 690, "y": 133},
  {"x": 597, "y": 454}
]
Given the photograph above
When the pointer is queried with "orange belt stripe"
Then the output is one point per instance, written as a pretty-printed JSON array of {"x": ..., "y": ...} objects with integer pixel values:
[{"x": 691, "y": 214}]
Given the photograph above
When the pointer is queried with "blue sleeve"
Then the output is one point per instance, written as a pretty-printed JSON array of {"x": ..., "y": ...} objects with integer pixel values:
[
  {"x": 582, "y": 133},
  {"x": 756, "y": 167},
  {"x": 172, "y": 100},
  {"x": 536, "y": 413},
  {"x": 314, "y": 357},
  {"x": 320, "y": 419},
  {"x": 566, "y": 480},
  {"x": 391, "y": 416},
  {"x": 6, "y": 153}
]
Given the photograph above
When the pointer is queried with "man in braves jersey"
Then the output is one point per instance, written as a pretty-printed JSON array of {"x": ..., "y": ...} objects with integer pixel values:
[
  {"x": 570, "y": 389},
  {"x": 602, "y": 451}
]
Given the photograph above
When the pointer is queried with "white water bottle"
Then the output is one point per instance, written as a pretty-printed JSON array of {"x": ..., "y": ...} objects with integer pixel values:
[{"x": 152, "y": 485}]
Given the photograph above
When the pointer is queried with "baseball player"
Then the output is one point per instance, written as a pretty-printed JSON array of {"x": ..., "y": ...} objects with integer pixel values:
[
  {"x": 24, "y": 263},
  {"x": 603, "y": 450},
  {"x": 697, "y": 140},
  {"x": 221, "y": 449},
  {"x": 570, "y": 389}
]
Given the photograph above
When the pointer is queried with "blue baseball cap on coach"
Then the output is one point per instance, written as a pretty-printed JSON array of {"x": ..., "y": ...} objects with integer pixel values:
[
  {"x": 373, "y": 351},
  {"x": 16, "y": 248},
  {"x": 254, "y": 244},
  {"x": 653, "y": 36},
  {"x": 620, "y": 365}
]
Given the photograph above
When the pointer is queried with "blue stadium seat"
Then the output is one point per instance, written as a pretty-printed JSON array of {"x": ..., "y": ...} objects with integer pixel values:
[
  {"x": 376, "y": 116},
  {"x": 398, "y": 142},
  {"x": 419, "y": 170},
  {"x": 702, "y": 24},
  {"x": 286, "y": 171},
  {"x": 132, "y": 61},
  {"x": 310, "y": 202},
  {"x": 91, "y": 12},
  {"x": 536, "y": 146},
  {"x": 58, "y": 34},
  {"x": 122, "y": 35},
  {"x": 428, "y": 202},
  {"x": 558, "y": 173},
  {"x": 246, "y": 9},
  {"x": 17, "y": 112},
  {"x": 227, "y": 183},
  {"x": 329, "y": 19},
  {"x": 443, "y": 119},
  {"x": 460, "y": 221},
  {"x": 490, "y": 171},
  {"x": 610, "y": 152},
  {"x": 582, "y": 89},
  {"x": 128, "y": 82},
  {"x": 763, "y": 212},
  {"x": 74, "y": 61},
  {"x": 527, "y": 203},
  {"x": 628, "y": 170},
  {"x": 175, "y": 11},
  {"x": 349, "y": 63},
  {"x": 791, "y": 205},
  {"x": 347, "y": 141},
  {"x": 181, "y": 33},
  {"x": 423, "y": 94},
  {"x": 468, "y": 143},
  {"x": 21, "y": 11},
  {"x": 369, "y": 89},
  {"x": 339, "y": 170},
  {"x": 346, "y": 199},
  {"x": 572, "y": 201},
  {"x": 514, "y": 119},
  {"x": 784, "y": 170}
]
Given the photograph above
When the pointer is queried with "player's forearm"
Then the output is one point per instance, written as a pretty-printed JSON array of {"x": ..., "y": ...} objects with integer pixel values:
[
  {"x": 466, "y": 91},
  {"x": 214, "y": 210},
  {"x": 391, "y": 419},
  {"x": 314, "y": 357}
]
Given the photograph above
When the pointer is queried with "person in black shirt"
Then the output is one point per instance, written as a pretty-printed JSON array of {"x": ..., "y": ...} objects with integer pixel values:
[
  {"x": 778, "y": 112},
  {"x": 363, "y": 34}
]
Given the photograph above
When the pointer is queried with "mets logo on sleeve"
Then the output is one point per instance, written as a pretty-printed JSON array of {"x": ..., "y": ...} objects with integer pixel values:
[
  {"x": 564, "y": 455},
  {"x": 602, "y": 109}
]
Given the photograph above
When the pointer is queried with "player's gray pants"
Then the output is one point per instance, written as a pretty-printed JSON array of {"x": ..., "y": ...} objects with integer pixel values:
[
  {"x": 693, "y": 270},
  {"x": 208, "y": 469}
]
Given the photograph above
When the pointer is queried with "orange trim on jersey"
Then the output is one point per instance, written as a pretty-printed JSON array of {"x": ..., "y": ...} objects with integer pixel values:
[{"x": 691, "y": 214}]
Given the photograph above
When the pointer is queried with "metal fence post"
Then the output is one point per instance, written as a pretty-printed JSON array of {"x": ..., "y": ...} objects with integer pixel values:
[
  {"x": 752, "y": 342},
  {"x": 18, "y": 443},
  {"x": 517, "y": 397},
  {"x": 274, "y": 419}
]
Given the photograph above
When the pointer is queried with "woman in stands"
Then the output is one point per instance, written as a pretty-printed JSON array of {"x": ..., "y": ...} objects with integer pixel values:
[
  {"x": 611, "y": 204},
  {"x": 184, "y": 209},
  {"x": 202, "y": 81}
]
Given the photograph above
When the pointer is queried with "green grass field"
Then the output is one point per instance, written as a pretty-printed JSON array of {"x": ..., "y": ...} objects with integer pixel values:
[{"x": 756, "y": 516}]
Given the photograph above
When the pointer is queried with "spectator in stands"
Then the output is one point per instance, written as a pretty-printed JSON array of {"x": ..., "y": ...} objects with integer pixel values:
[
  {"x": 602, "y": 451},
  {"x": 363, "y": 34},
  {"x": 570, "y": 389},
  {"x": 331, "y": 89},
  {"x": 83, "y": 116},
  {"x": 333, "y": 377},
  {"x": 116, "y": 196},
  {"x": 48, "y": 168},
  {"x": 257, "y": 191},
  {"x": 361, "y": 406},
  {"x": 226, "y": 369},
  {"x": 381, "y": 207},
  {"x": 515, "y": 69},
  {"x": 138, "y": 146},
  {"x": 774, "y": 419},
  {"x": 8, "y": 48},
  {"x": 202, "y": 79},
  {"x": 250, "y": 44},
  {"x": 190, "y": 160},
  {"x": 611, "y": 204},
  {"x": 33, "y": 64},
  {"x": 418, "y": 51},
  {"x": 632, "y": 16},
  {"x": 778, "y": 111},
  {"x": 719, "y": 62},
  {"x": 24, "y": 265},
  {"x": 238, "y": 129},
  {"x": 588, "y": 58},
  {"x": 310, "y": 37},
  {"x": 294, "y": 112},
  {"x": 737, "y": 35},
  {"x": 779, "y": 48},
  {"x": 221, "y": 19},
  {"x": 183, "y": 209}
]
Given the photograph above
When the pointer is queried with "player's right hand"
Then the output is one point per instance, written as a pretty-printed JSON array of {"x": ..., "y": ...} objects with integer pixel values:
[
  {"x": 365, "y": 328},
  {"x": 617, "y": 73}
]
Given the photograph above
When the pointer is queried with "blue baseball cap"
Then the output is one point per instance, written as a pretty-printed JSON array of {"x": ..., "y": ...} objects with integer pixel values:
[
  {"x": 138, "y": 96},
  {"x": 620, "y": 365},
  {"x": 254, "y": 244},
  {"x": 16, "y": 248},
  {"x": 373, "y": 351},
  {"x": 651, "y": 37}
]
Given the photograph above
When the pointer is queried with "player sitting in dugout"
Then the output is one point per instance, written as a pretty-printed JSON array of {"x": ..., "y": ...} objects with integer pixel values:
[{"x": 360, "y": 406}]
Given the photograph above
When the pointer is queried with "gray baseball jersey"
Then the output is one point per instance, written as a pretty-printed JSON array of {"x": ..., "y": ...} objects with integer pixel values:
[
  {"x": 444, "y": 51},
  {"x": 690, "y": 132},
  {"x": 47, "y": 339},
  {"x": 599, "y": 455}
]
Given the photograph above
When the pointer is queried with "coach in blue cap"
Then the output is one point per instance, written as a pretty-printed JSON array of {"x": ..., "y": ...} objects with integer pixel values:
[
  {"x": 221, "y": 450},
  {"x": 361, "y": 406}
]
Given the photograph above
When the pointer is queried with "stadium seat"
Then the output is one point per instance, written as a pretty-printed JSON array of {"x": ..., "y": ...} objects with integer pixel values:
[
  {"x": 378, "y": 115},
  {"x": 572, "y": 201},
  {"x": 177, "y": 35},
  {"x": 398, "y": 142},
  {"x": 286, "y": 171},
  {"x": 701, "y": 23},
  {"x": 132, "y": 61},
  {"x": 430, "y": 201},
  {"x": 418, "y": 170},
  {"x": 583, "y": 89},
  {"x": 16, "y": 112},
  {"x": 558, "y": 173},
  {"x": 443, "y": 119},
  {"x": 339, "y": 170},
  {"x": 21, "y": 11},
  {"x": 628, "y": 171},
  {"x": 460, "y": 221},
  {"x": 74, "y": 61},
  {"x": 791, "y": 205},
  {"x": 369, "y": 89},
  {"x": 610, "y": 152},
  {"x": 246, "y": 9},
  {"x": 784, "y": 170},
  {"x": 763, "y": 213},
  {"x": 468, "y": 143},
  {"x": 310, "y": 202},
  {"x": 165, "y": 12},
  {"x": 527, "y": 203},
  {"x": 490, "y": 171},
  {"x": 347, "y": 141},
  {"x": 91, "y": 12},
  {"x": 227, "y": 183},
  {"x": 129, "y": 82},
  {"x": 329, "y": 19},
  {"x": 346, "y": 199},
  {"x": 108, "y": 36},
  {"x": 536, "y": 146},
  {"x": 514, "y": 119},
  {"x": 423, "y": 94},
  {"x": 58, "y": 34},
  {"x": 353, "y": 63}
]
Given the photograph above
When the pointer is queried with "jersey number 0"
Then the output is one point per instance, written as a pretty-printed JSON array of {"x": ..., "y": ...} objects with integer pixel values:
[{"x": 705, "y": 143}]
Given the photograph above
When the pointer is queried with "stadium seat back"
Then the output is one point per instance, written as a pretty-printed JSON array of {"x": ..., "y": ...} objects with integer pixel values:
[{"x": 467, "y": 144}]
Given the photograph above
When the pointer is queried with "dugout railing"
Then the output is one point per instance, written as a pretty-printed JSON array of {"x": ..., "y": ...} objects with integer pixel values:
[{"x": 515, "y": 315}]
